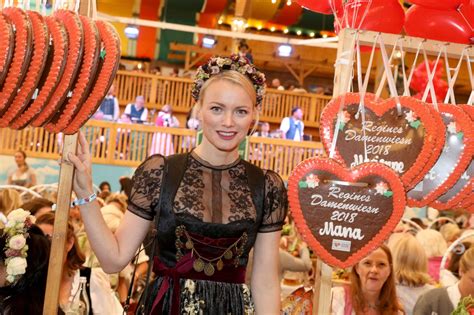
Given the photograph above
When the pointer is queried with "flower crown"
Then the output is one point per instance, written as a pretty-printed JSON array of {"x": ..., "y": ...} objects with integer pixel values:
[
  {"x": 16, "y": 230},
  {"x": 216, "y": 65}
]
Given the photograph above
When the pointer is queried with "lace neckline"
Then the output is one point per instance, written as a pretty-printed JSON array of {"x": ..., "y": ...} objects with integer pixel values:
[{"x": 209, "y": 165}]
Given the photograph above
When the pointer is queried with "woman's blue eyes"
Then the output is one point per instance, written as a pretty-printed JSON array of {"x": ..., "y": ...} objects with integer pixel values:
[{"x": 240, "y": 112}]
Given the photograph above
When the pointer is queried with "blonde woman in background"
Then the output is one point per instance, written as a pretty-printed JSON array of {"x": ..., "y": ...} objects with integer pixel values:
[
  {"x": 10, "y": 199},
  {"x": 450, "y": 232},
  {"x": 435, "y": 246},
  {"x": 411, "y": 271},
  {"x": 444, "y": 300}
]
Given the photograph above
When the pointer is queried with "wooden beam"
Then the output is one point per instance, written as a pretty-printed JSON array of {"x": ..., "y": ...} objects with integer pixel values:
[
  {"x": 58, "y": 247},
  {"x": 242, "y": 8},
  {"x": 292, "y": 71}
]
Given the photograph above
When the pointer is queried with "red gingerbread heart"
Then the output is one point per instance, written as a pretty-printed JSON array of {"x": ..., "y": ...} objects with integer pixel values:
[
  {"x": 408, "y": 142},
  {"x": 449, "y": 170},
  {"x": 344, "y": 214}
]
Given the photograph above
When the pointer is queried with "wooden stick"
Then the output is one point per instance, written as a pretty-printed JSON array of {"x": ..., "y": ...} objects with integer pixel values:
[{"x": 57, "y": 255}]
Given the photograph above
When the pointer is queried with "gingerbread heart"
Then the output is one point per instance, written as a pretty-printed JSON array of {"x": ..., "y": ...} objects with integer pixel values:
[
  {"x": 408, "y": 142},
  {"x": 344, "y": 214},
  {"x": 461, "y": 194},
  {"x": 452, "y": 163}
]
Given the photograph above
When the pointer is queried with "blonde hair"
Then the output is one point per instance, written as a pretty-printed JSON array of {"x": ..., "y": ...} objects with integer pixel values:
[
  {"x": 432, "y": 242},
  {"x": 410, "y": 263},
  {"x": 10, "y": 199},
  {"x": 234, "y": 77},
  {"x": 120, "y": 199},
  {"x": 450, "y": 232},
  {"x": 467, "y": 261},
  {"x": 239, "y": 79}
]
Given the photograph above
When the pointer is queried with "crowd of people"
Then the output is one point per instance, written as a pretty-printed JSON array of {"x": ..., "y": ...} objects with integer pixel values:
[{"x": 202, "y": 231}]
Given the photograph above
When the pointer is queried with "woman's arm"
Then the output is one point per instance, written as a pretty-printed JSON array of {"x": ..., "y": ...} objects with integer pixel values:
[
  {"x": 265, "y": 280},
  {"x": 32, "y": 179},
  {"x": 114, "y": 251}
]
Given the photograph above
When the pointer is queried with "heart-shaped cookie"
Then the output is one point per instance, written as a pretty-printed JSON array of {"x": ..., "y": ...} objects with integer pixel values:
[
  {"x": 408, "y": 142},
  {"x": 452, "y": 163},
  {"x": 344, "y": 214},
  {"x": 461, "y": 194}
]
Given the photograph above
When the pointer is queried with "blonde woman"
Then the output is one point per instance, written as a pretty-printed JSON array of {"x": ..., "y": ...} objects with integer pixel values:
[
  {"x": 435, "y": 246},
  {"x": 444, "y": 300},
  {"x": 411, "y": 271},
  {"x": 211, "y": 207}
]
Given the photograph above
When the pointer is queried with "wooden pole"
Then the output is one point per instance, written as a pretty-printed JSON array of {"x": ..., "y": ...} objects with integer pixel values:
[
  {"x": 66, "y": 175},
  {"x": 58, "y": 244},
  {"x": 342, "y": 80}
]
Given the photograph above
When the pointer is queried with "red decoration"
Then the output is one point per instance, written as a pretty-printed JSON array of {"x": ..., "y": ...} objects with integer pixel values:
[
  {"x": 344, "y": 214},
  {"x": 443, "y": 25},
  {"x": 321, "y": 6},
  {"x": 7, "y": 40},
  {"x": 385, "y": 16},
  {"x": 453, "y": 161},
  {"x": 438, "y": 4},
  {"x": 406, "y": 142},
  {"x": 34, "y": 71}
]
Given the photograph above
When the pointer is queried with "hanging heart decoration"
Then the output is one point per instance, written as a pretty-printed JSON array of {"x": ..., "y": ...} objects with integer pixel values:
[
  {"x": 451, "y": 179},
  {"x": 343, "y": 214},
  {"x": 407, "y": 141}
]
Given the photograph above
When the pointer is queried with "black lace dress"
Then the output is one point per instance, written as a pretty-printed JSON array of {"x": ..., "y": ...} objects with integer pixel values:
[{"x": 205, "y": 232}]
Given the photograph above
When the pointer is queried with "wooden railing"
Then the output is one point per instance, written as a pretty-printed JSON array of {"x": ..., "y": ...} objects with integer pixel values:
[
  {"x": 129, "y": 144},
  {"x": 160, "y": 90}
]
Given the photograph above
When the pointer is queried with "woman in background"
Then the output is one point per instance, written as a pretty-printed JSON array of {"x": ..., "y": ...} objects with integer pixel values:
[
  {"x": 444, "y": 300},
  {"x": 372, "y": 290},
  {"x": 23, "y": 175},
  {"x": 410, "y": 267}
]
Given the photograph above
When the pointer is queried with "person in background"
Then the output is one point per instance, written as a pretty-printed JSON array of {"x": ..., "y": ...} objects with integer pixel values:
[
  {"x": 192, "y": 121},
  {"x": 444, "y": 300},
  {"x": 450, "y": 232},
  {"x": 137, "y": 111},
  {"x": 450, "y": 275},
  {"x": 299, "y": 88},
  {"x": 101, "y": 296},
  {"x": 264, "y": 130},
  {"x": 125, "y": 185},
  {"x": 105, "y": 186},
  {"x": 410, "y": 267},
  {"x": 372, "y": 289},
  {"x": 23, "y": 175},
  {"x": 292, "y": 127},
  {"x": 38, "y": 206},
  {"x": 435, "y": 246},
  {"x": 26, "y": 294},
  {"x": 166, "y": 118},
  {"x": 244, "y": 51},
  {"x": 109, "y": 108},
  {"x": 10, "y": 199},
  {"x": 276, "y": 84}
]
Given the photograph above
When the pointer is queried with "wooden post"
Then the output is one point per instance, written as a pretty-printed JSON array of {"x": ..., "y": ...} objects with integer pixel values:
[
  {"x": 342, "y": 79},
  {"x": 66, "y": 175},
  {"x": 57, "y": 255}
]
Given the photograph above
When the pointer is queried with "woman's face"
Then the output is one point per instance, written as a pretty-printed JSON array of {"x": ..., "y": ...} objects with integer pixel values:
[
  {"x": 226, "y": 114},
  {"x": 467, "y": 282},
  {"x": 373, "y": 271},
  {"x": 19, "y": 159}
]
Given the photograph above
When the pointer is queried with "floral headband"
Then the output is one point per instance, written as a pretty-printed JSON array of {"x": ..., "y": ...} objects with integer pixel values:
[
  {"x": 216, "y": 65},
  {"x": 16, "y": 230}
]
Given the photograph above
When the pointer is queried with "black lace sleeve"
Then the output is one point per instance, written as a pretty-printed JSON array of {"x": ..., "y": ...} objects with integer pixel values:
[
  {"x": 276, "y": 203},
  {"x": 146, "y": 187}
]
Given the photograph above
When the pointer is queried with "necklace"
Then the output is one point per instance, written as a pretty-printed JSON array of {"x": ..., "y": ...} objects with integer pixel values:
[{"x": 206, "y": 264}]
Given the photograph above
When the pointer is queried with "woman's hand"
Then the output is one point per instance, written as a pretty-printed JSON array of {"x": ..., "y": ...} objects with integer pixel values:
[{"x": 82, "y": 161}]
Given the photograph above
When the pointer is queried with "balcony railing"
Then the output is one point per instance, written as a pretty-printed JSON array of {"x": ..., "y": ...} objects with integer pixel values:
[
  {"x": 129, "y": 144},
  {"x": 160, "y": 90}
]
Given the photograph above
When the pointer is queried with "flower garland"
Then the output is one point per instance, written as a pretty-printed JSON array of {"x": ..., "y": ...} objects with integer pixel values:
[
  {"x": 216, "y": 65},
  {"x": 16, "y": 231}
]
